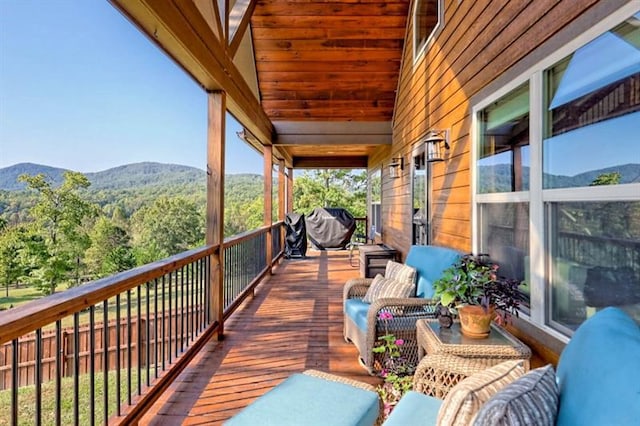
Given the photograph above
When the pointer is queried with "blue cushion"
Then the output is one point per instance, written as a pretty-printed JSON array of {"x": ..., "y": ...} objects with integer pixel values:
[
  {"x": 430, "y": 262},
  {"x": 599, "y": 372},
  {"x": 357, "y": 310},
  {"x": 307, "y": 400},
  {"x": 415, "y": 408}
]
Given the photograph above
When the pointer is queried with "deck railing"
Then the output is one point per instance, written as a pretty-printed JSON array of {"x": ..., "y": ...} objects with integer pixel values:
[
  {"x": 101, "y": 348},
  {"x": 108, "y": 349}
]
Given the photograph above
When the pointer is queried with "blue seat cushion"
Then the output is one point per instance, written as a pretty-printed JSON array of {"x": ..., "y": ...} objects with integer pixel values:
[
  {"x": 414, "y": 408},
  {"x": 310, "y": 401},
  {"x": 430, "y": 262},
  {"x": 357, "y": 310},
  {"x": 599, "y": 372}
]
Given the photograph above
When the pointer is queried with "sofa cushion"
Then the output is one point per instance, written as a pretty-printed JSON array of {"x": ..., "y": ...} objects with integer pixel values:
[
  {"x": 530, "y": 400},
  {"x": 357, "y": 310},
  {"x": 308, "y": 400},
  {"x": 465, "y": 399},
  {"x": 400, "y": 272},
  {"x": 430, "y": 262},
  {"x": 383, "y": 287},
  {"x": 414, "y": 408},
  {"x": 598, "y": 373}
]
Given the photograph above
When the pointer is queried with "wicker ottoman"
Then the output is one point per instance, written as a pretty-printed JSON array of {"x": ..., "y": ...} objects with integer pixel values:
[{"x": 313, "y": 398}]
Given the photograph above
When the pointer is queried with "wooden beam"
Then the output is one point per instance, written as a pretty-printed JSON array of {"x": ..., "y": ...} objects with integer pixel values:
[
  {"x": 268, "y": 198},
  {"x": 328, "y": 139},
  {"x": 215, "y": 198},
  {"x": 289, "y": 190},
  {"x": 182, "y": 32},
  {"x": 343, "y": 162},
  {"x": 209, "y": 10},
  {"x": 239, "y": 19}
]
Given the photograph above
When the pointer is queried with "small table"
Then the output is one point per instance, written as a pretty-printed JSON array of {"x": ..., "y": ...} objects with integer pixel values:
[
  {"x": 498, "y": 347},
  {"x": 374, "y": 258}
]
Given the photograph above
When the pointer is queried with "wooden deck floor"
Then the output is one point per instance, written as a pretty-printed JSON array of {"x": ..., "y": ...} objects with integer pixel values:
[{"x": 293, "y": 323}]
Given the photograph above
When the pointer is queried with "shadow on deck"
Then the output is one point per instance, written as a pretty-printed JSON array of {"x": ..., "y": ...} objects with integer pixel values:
[{"x": 293, "y": 323}]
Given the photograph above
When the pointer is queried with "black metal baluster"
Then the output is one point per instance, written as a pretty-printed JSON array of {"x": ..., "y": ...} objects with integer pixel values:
[
  {"x": 193, "y": 301},
  {"x": 182, "y": 325},
  {"x": 118, "y": 354},
  {"x": 187, "y": 310},
  {"x": 169, "y": 325},
  {"x": 162, "y": 327},
  {"x": 148, "y": 333},
  {"x": 15, "y": 385},
  {"x": 155, "y": 323},
  {"x": 138, "y": 297},
  {"x": 92, "y": 364},
  {"x": 76, "y": 368},
  {"x": 38, "y": 377},
  {"x": 129, "y": 343},
  {"x": 105, "y": 361},
  {"x": 59, "y": 355}
]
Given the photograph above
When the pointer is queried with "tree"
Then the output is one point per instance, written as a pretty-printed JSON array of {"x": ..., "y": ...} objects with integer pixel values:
[
  {"x": 110, "y": 250},
  {"x": 59, "y": 215},
  {"x": 612, "y": 178},
  {"x": 331, "y": 188},
  {"x": 11, "y": 268},
  {"x": 166, "y": 227}
]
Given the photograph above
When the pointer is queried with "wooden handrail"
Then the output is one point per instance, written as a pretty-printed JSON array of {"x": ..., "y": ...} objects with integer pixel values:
[
  {"x": 238, "y": 238},
  {"x": 17, "y": 322}
]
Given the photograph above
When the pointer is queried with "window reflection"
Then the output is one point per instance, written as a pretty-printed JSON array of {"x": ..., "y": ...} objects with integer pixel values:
[
  {"x": 503, "y": 160},
  {"x": 595, "y": 258},
  {"x": 504, "y": 236},
  {"x": 594, "y": 111}
]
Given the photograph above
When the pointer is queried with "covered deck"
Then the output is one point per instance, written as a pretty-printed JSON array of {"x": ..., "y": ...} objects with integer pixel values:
[{"x": 293, "y": 323}]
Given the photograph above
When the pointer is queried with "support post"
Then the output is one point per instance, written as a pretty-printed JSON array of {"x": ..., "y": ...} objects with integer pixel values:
[
  {"x": 289, "y": 190},
  {"x": 281, "y": 190},
  {"x": 268, "y": 199},
  {"x": 215, "y": 201}
]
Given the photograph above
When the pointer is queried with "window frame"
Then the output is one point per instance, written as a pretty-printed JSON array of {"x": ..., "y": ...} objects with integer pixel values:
[
  {"x": 370, "y": 203},
  {"x": 539, "y": 261},
  {"x": 419, "y": 50}
]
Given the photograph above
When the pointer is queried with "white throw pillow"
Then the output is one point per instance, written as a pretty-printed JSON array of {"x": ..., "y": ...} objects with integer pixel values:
[{"x": 383, "y": 287}]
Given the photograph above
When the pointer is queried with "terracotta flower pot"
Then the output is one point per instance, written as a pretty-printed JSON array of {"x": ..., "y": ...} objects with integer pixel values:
[{"x": 475, "y": 322}]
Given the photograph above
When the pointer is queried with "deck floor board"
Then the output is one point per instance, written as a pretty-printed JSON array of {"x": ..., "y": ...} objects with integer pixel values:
[{"x": 293, "y": 323}]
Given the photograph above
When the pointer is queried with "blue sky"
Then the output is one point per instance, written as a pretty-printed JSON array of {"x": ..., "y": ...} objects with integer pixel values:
[{"x": 82, "y": 88}]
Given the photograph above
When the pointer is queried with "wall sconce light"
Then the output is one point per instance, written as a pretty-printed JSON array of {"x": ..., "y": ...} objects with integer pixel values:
[
  {"x": 395, "y": 167},
  {"x": 435, "y": 140}
]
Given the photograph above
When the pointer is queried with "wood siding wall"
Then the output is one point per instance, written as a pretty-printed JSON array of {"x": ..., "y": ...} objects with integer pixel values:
[{"x": 480, "y": 41}]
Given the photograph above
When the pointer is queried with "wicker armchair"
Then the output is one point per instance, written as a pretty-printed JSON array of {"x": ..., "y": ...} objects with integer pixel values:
[{"x": 362, "y": 324}]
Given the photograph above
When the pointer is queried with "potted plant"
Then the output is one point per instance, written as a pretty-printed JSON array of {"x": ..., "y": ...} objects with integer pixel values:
[{"x": 474, "y": 288}]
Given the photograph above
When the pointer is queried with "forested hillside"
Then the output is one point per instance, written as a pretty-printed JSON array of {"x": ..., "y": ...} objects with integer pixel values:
[{"x": 61, "y": 228}]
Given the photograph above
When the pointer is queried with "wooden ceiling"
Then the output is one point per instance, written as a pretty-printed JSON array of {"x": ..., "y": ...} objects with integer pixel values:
[
  {"x": 327, "y": 71},
  {"x": 324, "y": 62}
]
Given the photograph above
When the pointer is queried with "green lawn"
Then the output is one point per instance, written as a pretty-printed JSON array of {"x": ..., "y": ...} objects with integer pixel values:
[
  {"x": 18, "y": 296},
  {"x": 26, "y": 400}
]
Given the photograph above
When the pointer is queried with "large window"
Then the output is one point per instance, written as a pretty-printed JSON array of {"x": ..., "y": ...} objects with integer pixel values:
[
  {"x": 428, "y": 18},
  {"x": 557, "y": 166}
]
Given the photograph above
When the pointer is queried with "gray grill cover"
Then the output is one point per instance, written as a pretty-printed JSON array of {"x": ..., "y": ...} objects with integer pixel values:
[{"x": 330, "y": 228}]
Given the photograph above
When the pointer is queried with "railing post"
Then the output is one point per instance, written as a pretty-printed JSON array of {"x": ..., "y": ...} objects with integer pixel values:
[
  {"x": 282, "y": 202},
  {"x": 215, "y": 202},
  {"x": 268, "y": 200}
]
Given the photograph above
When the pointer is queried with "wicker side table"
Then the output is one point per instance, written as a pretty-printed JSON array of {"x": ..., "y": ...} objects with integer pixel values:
[
  {"x": 498, "y": 347},
  {"x": 451, "y": 356}
]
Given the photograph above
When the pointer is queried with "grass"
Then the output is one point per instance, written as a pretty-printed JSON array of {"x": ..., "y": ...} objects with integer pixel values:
[
  {"x": 27, "y": 400},
  {"x": 18, "y": 296}
]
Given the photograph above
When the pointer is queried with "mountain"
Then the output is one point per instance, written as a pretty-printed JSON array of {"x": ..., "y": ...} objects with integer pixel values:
[
  {"x": 138, "y": 175},
  {"x": 9, "y": 175},
  {"x": 497, "y": 178}
]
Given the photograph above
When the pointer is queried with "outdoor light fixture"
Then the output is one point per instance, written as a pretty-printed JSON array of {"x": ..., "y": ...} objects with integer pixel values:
[
  {"x": 396, "y": 166},
  {"x": 435, "y": 140}
]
